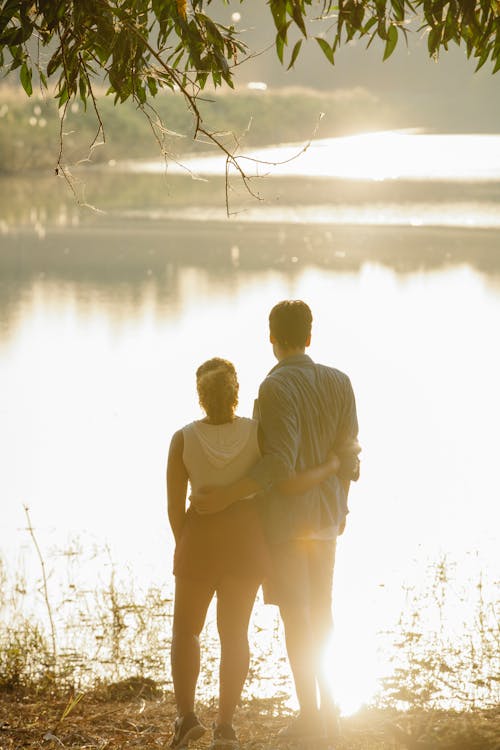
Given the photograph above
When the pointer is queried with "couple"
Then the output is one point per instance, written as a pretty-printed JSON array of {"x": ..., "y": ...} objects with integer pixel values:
[{"x": 276, "y": 504}]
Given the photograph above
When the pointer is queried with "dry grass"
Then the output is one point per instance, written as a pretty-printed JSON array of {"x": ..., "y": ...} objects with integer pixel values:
[
  {"x": 81, "y": 695},
  {"x": 136, "y": 713}
]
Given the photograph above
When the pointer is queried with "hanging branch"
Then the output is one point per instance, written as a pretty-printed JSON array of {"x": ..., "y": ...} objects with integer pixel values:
[{"x": 119, "y": 40}]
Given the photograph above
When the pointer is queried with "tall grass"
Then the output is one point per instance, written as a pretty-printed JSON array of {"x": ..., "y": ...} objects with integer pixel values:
[
  {"x": 446, "y": 655},
  {"x": 74, "y": 620},
  {"x": 112, "y": 630}
]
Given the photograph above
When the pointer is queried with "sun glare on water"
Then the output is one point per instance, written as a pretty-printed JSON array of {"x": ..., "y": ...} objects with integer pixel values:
[
  {"x": 385, "y": 155},
  {"x": 400, "y": 155}
]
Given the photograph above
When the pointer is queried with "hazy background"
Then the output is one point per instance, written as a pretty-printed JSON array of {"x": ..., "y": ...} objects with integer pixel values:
[{"x": 419, "y": 92}]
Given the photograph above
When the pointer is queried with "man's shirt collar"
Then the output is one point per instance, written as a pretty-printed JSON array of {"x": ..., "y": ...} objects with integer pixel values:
[{"x": 293, "y": 359}]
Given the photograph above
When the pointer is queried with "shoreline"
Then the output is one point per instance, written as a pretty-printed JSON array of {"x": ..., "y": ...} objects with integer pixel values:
[{"x": 65, "y": 251}]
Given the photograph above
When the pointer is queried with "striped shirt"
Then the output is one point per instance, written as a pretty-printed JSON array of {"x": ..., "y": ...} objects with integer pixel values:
[{"x": 305, "y": 410}]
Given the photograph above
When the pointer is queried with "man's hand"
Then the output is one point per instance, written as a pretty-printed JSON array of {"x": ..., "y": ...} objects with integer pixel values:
[
  {"x": 333, "y": 461},
  {"x": 349, "y": 464},
  {"x": 215, "y": 499},
  {"x": 210, "y": 500}
]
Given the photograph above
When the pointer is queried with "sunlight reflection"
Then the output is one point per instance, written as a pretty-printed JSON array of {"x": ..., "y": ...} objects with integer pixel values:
[
  {"x": 386, "y": 155},
  {"x": 464, "y": 214}
]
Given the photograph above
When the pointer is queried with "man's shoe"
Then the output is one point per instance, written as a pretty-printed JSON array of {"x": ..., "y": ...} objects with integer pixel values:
[
  {"x": 331, "y": 723},
  {"x": 186, "y": 728},
  {"x": 303, "y": 729},
  {"x": 224, "y": 738}
]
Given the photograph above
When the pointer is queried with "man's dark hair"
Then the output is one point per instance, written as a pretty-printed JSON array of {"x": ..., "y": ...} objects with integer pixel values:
[{"x": 290, "y": 323}]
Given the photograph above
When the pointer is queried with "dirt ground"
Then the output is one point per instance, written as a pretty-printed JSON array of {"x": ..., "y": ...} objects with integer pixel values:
[{"x": 132, "y": 715}]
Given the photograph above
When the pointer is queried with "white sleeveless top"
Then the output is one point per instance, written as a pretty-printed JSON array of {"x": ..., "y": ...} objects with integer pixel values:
[{"x": 219, "y": 454}]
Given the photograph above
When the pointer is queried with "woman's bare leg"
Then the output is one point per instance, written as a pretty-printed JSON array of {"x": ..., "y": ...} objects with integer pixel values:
[
  {"x": 192, "y": 599},
  {"x": 235, "y": 599}
]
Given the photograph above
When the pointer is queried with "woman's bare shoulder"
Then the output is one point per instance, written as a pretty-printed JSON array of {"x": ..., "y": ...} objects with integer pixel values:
[{"x": 177, "y": 441}]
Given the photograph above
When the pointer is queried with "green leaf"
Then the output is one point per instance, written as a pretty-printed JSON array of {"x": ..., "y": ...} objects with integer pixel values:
[
  {"x": 299, "y": 18},
  {"x": 392, "y": 40},
  {"x": 152, "y": 86},
  {"x": 327, "y": 50},
  {"x": 280, "y": 46},
  {"x": 434, "y": 40},
  {"x": 25, "y": 76},
  {"x": 82, "y": 88},
  {"x": 368, "y": 25},
  {"x": 62, "y": 96},
  {"x": 224, "y": 67},
  {"x": 54, "y": 63},
  {"x": 140, "y": 94},
  {"x": 399, "y": 10},
  {"x": 14, "y": 36},
  {"x": 213, "y": 32},
  {"x": 295, "y": 54},
  {"x": 17, "y": 58},
  {"x": 8, "y": 11},
  {"x": 201, "y": 79},
  {"x": 357, "y": 15},
  {"x": 278, "y": 11},
  {"x": 381, "y": 29},
  {"x": 482, "y": 59}
]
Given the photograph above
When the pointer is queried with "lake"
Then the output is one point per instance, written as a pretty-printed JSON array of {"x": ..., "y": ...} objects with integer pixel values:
[{"x": 105, "y": 315}]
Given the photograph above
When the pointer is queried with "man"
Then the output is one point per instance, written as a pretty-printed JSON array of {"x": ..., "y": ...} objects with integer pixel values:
[{"x": 305, "y": 412}]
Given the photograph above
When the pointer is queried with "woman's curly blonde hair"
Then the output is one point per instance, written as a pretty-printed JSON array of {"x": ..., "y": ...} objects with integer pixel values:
[{"x": 218, "y": 387}]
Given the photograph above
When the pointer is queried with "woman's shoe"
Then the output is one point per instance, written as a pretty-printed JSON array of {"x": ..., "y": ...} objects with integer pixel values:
[
  {"x": 224, "y": 738},
  {"x": 186, "y": 728}
]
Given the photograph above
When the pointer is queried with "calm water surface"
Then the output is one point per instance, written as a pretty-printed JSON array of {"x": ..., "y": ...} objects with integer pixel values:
[{"x": 104, "y": 319}]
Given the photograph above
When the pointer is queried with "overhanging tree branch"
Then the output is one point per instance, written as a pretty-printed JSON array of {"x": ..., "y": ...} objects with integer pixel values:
[{"x": 139, "y": 47}]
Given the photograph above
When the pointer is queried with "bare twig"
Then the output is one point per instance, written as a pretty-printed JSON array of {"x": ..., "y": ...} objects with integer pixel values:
[
  {"x": 100, "y": 128},
  {"x": 45, "y": 586}
]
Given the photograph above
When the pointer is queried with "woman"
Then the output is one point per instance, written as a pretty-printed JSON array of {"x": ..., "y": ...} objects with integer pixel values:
[{"x": 222, "y": 552}]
